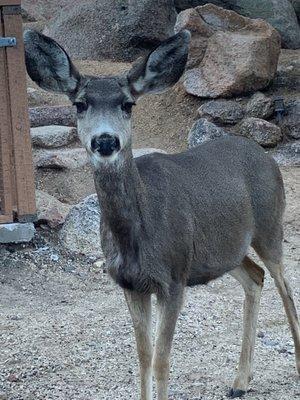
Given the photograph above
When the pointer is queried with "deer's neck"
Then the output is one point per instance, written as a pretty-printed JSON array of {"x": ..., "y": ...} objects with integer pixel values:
[
  {"x": 125, "y": 233},
  {"x": 120, "y": 192}
]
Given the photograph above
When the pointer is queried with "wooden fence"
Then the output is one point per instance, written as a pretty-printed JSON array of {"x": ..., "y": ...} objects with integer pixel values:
[{"x": 17, "y": 189}]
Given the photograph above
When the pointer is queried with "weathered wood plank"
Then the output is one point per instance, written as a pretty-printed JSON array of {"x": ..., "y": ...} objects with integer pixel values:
[
  {"x": 5, "y": 141},
  {"x": 24, "y": 180}
]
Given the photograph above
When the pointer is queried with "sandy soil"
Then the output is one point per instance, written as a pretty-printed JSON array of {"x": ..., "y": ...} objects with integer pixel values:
[{"x": 65, "y": 332}]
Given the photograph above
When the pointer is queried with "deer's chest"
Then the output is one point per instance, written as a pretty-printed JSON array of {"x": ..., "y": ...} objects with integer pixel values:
[{"x": 124, "y": 265}]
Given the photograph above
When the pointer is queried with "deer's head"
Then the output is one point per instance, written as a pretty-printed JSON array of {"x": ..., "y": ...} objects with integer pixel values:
[{"x": 104, "y": 104}]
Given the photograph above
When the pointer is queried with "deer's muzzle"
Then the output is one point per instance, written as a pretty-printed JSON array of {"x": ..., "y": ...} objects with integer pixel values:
[{"x": 105, "y": 144}]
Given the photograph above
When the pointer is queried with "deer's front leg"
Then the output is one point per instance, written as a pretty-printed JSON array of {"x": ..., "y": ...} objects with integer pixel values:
[
  {"x": 168, "y": 311},
  {"x": 140, "y": 309}
]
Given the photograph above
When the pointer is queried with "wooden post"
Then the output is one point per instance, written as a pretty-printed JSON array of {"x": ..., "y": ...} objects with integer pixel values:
[{"x": 17, "y": 189}]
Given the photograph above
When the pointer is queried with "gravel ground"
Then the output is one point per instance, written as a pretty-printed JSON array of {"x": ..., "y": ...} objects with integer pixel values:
[{"x": 66, "y": 334}]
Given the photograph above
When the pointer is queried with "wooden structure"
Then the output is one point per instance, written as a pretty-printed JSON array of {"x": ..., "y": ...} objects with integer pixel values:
[{"x": 17, "y": 189}]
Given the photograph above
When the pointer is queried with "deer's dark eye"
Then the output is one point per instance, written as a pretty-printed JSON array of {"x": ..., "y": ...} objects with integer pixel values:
[
  {"x": 81, "y": 106},
  {"x": 127, "y": 107}
]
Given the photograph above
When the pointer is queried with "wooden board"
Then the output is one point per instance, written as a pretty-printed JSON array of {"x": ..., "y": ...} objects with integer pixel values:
[
  {"x": 18, "y": 189},
  {"x": 5, "y": 140}
]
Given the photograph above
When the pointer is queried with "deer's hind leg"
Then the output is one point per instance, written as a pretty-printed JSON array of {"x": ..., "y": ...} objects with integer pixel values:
[
  {"x": 269, "y": 249},
  {"x": 251, "y": 277},
  {"x": 277, "y": 272}
]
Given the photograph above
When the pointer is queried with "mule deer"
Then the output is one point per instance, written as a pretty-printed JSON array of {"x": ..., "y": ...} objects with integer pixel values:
[{"x": 171, "y": 221}]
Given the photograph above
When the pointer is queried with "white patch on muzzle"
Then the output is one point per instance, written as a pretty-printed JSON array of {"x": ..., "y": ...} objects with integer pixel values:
[{"x": 94, "y": 125}]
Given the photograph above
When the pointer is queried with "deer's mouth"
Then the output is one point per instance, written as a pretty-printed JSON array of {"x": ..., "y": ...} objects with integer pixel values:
[{"x": 105, "y": 144}]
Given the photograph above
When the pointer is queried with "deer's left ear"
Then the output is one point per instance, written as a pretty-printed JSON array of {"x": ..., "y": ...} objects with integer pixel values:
[{"x": 162, "y": 68}]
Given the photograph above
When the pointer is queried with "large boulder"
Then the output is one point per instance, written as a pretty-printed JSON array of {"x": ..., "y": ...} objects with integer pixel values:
[
  {"x": 44, "y": 8},
  {"x": 222, "y": 111},
  {"x": 290, "y": 123},
  {"x": 118, "y": 29},
  {"x": 260, "y": 106},
  {"x": 202, "y": 131},
  {"x": 60, "y": 159},
  {"x": 53, "y": 136},
  {"x": 281, "y": 14},
  {"x": 287, "y": 154},
  {"x": 233, "y": 54},
  {"x": 81, "y": 231},
  {"x": 52, "y": 115},
  {"x": 288, "y": 72},
  {"x": 181, "y": 5},
  {"x": 263, "y": 132},
  {"x": 50, "y": 210}
]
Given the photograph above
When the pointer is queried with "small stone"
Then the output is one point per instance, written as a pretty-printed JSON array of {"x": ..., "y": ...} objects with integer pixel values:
[
  {"x": 222, "y": 111},
  {"x": 15, "y": 318},
  {"x": 54, "y": 257},
  {"x": 260, "y": 106},
  {"x": 99, "y": 266},
  {"x": 270, "y": 342},
  {"x": 203, "y": 131},
  {"x": 61, "y": 159},
  {"x": 13, "y": 378},
  {"x": 52, "y": 136},
  {"x": 16, "y": 232},
  {"x": 263, "y": 132},
  {"x": 69, "y": 268}
]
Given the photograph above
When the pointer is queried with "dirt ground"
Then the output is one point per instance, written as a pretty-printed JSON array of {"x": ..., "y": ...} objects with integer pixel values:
[{"x": 66, "y": 334}]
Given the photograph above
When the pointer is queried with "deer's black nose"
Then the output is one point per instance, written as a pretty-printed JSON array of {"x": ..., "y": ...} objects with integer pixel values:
[{"x": 105, "y": 144}]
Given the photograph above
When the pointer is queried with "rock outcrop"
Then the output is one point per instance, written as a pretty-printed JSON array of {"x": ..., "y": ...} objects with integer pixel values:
[
  {"x": 230, "y": 54},
  {"x": 281, "y": 14},
  {"x": 116, "y": 29}
]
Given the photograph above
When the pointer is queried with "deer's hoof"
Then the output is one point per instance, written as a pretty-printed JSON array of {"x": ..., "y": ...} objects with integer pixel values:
[{"x": 233, "y": 393}]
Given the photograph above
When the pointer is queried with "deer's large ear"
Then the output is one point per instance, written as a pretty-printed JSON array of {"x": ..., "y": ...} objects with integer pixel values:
[
  {"x": 49, "y": 65},
  {"x": 162, "y": 68}
]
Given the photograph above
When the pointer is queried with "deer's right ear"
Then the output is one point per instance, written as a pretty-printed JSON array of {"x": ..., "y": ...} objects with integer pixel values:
[
  {"x": 49, "y": 65},
  {"x": 162, "y": 68}
]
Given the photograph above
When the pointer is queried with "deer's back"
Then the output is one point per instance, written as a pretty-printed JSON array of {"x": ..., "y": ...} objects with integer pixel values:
[{"x": 208, "y": 204}]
